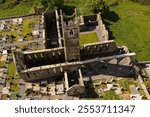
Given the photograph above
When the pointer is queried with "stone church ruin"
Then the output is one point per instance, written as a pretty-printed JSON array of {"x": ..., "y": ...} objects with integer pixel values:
[{"x": 62, "y": 57}]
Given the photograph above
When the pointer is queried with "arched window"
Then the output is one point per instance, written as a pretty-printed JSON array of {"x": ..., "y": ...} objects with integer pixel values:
[{"x": 71, "y": 32}]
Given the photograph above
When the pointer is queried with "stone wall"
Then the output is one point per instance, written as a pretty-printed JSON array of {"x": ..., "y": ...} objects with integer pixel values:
[
  {"x": 98, "y": 49},
  {"x": 19, "y": 61},
  {"x": 48, "y": 71},
  {"x": 95, "y": 21},
  {"x": 29, "y": 59},
  {"x": 102, "y": 28},
  {"x": 51, "y": 34},
  {"x": 88, "y": 21},
  {"x": 57, "y": 70}
]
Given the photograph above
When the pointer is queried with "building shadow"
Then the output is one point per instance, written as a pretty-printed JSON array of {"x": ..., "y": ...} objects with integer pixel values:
[
  {"x": 116, "y": 70},
  {"x": 90, "y": 92}
]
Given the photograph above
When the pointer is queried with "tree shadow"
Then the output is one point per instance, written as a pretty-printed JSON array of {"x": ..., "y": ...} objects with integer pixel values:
[
  {"x": 108, "y": 24},
  {"x": 109, "y": 17},
  {"x": 68, "y": 10}
]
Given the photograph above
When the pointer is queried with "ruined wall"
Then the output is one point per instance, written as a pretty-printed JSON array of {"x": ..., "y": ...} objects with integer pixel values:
[
  {"x": 48, "y": 71},
  {"x": 102, "y": 28},
  {"x": 19, "y": 61},
  {"x": 51, "y": 34},
  {"x": 45, "y": 57},
  {"x": 29, "y": 59},
  {"x": 88, "y": 21},
  {"x": 98, "y": 49},
  {"x": 88, "y": 18},
  {"x": 57, "y": 70}
]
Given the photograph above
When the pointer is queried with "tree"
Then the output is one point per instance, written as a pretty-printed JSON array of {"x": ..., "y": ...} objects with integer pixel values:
[
  {"x": 53, "y": 3},
  {"x": 142, "y": 1},
  {"x": 44, "y": 3},
  {"x": 2, "y": 1},
  {"x": 97, "y": 5}
]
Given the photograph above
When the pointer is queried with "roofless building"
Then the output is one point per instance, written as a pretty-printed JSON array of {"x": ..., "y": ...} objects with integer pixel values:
[{"x": 63, "y": 58}]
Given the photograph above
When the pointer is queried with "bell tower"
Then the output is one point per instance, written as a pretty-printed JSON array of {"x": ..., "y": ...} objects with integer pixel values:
[{"x": 70, "y": 26}]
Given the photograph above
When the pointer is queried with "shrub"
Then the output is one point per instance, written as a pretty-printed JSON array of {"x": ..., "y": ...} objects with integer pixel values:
[
  {"x": 2, "y": 1},
  {"x": 142, "y": 1}
]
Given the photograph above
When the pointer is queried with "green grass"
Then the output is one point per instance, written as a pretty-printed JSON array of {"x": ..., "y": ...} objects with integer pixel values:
[
  {"x": 26, "y": 8},
  {"x": 16, "y": 11},
  {"x": 20, "y": 9},
  {"x": 2, "y": 63},
  {"x": 13, "y": 96},
  {"x": 88, "y": 38},
  {"x": 14, "y": 88},
  {"x": 147, "y": 82},
  {"x": 25, "y": 27},
  {"x": 21, "y": 46},
  {"x": 125, "y": 83},
  {"x": 96, "y": 81},
  {"x": 83, "y": 6},
  {"x": 11, "y": 69},
  {"x": 9, "y": 33},
  {"x": 110, "y": 95},
  {"x": 132, "y": 29}
]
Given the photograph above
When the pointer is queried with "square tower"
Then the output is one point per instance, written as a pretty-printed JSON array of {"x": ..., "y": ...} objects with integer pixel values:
[{"x": 70, "y": 28}]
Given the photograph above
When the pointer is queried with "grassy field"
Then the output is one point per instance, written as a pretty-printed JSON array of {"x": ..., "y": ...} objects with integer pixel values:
[
  {"x": 15, "y": 11},
  {"x": 88, "y": 38},
  {"x": 20, "y": 9},
  {"x": 83, "y": 6},
  {"x": 132, "y": 28},
  {"x": 26, "y": 8}
]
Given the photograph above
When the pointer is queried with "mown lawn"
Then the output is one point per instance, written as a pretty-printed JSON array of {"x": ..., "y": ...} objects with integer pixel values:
[
  {"x": 133, "y": 27},
  {"x": 88, "y": 38}
]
